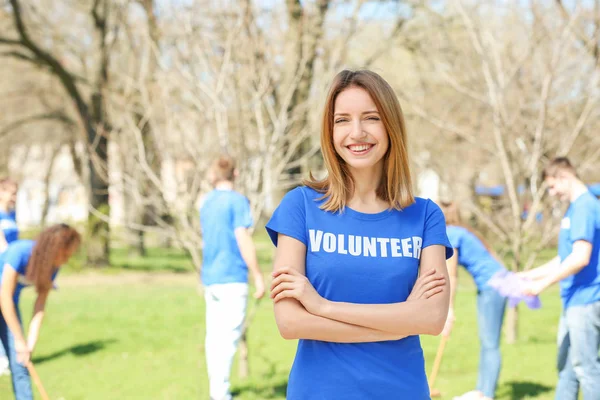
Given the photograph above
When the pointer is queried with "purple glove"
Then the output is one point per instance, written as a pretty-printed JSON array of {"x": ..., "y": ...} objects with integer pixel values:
[{"x": 508, "y": 284}]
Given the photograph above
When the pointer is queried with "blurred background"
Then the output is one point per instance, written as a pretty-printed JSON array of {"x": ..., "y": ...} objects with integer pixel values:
[{"x": 112, "y": 110}]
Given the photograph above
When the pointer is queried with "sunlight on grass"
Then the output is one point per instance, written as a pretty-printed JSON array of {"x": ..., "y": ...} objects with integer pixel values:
[{"x": 144, "y": 339}]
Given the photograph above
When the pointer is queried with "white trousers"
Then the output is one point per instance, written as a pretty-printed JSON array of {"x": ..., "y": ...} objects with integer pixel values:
[{"x": 225, "y": 312}]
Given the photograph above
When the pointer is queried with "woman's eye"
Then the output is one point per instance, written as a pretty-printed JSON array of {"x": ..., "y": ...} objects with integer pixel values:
[
  {"x": 373, "y": 118},
  {"x": 337, "y": 121}
]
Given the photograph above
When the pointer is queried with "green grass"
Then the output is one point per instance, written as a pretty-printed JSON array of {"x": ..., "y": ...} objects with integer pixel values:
[{"x": 119, "y": 338}]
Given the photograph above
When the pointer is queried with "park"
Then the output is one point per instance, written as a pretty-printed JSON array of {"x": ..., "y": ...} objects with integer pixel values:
[{"x": 122, "y": 119}]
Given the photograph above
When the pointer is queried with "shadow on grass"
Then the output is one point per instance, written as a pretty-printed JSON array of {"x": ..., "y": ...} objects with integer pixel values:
[
  {"x": 178, "y": 269},
  {"x": 263, "y": 390},
  {"x": 519, "y": 390},
  {"x": 78, "y": 350},
  {"x": 156, "y": 259}
]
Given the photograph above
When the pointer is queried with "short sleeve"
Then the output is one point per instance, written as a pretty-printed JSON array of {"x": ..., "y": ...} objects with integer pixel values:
[
  {"x": 583, "y": 224},
  {"x": 289, "y": 218},
  {"x": 435, "y": 229},
  {"x": 17, "y": 258},
  {"x": 242, "y": 217}
]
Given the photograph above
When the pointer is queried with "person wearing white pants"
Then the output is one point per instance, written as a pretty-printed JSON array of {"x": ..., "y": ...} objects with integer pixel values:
[
  {"x": 225, "y": 312},
  {"x": 228, "y": 254}
]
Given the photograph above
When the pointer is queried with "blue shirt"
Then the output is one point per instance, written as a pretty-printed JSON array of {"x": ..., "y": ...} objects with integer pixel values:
[
  {"x": 17, "y": 257},
  {"x": 581, "y": 222},
  {"x": 222, "y": 212},
  {"x": 473, "y": 255},
  {"x": 359, "y": 258},
  {"x": 8, "y": 224}
]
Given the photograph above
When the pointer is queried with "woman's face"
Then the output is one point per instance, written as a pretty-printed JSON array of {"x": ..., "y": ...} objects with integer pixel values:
[{"x": 359, "y": 136}]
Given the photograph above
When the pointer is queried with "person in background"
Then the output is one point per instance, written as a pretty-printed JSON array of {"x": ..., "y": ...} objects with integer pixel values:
[
  {"x": 30, "y": 263},
  {"x": 577, "y": 268},
  {"x": 475, "y": 255},
  {"x": 228, "y": 254},
  {"x": 9, "y": 232}
]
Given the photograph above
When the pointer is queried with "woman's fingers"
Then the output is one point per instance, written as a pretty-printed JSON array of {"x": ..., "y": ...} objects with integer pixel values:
[
  {"x": 281, "y": 287},
  {"x": 282, "y": 278},
  {"x": 430, "y": 277},
  {"x": 433, "y": 292},
  {"x": 285, "y": 294},
  {"x": 434, "y": 284}
]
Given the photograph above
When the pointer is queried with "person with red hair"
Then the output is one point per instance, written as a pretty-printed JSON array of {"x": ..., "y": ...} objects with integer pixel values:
[{"x": 30, "y": 263}]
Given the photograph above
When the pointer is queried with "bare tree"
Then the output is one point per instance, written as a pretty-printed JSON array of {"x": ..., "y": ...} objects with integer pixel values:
[
  {"x": 509, "y": 95},
  {"x": 87, "y": 96}
]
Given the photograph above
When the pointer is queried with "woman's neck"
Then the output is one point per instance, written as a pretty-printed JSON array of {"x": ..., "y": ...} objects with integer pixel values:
[{"x": 364, "y": 195}]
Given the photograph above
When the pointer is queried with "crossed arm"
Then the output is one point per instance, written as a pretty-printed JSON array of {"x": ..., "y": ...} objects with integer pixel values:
[{"x": 301, "y": 313}]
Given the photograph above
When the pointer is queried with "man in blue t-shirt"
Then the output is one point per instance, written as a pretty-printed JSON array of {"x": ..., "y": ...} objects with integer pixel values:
[
  {"x": 228, "y": 254},
  {"x": 577, "y": 267}
]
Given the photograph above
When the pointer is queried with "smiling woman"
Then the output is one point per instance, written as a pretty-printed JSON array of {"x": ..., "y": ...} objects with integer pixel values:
[{"x": 360, "y": 263}]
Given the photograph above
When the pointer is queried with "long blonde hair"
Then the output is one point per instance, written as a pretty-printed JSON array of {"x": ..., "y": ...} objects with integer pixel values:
[{"x": 396, "y": 183}]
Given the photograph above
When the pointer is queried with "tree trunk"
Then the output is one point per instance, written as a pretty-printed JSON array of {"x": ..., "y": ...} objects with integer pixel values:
[
  {"x": 141, "y": 243},
  {"x": 98, "y": 235},
  {"x": 98, "y": 137},
  {"x": 512, "y": 325}
]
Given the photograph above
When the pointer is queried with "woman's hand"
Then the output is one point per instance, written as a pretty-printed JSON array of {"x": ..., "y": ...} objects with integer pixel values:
[
  {"x": 23, "y": 352},
  {"x": 427, "y": 285},
  {"x": 289, "y": 283}
]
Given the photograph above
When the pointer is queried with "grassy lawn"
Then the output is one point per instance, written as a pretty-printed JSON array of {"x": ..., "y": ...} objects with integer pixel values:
[{"x": 108, "y": 336}]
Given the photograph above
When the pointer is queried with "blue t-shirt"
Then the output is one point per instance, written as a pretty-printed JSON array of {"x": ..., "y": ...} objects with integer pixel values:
[
  {"x": 8, "y": 224},
  {"x": 222, "y": 212},
  {"x": 581, "y": 222},
  {"x": 17, "y": 256},
  {"x": 367, "y": 259},
  {"x": 473, "y": 255}
]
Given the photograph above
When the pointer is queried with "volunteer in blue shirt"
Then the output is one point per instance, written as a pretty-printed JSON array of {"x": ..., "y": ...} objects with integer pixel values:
[
  {"x": 349, "y": 250},
  {"x": 9, "y": 232},
  {"x": 577, "y": 268},
  {"x": 26, "y": 263},
  {"x": 474, "y": 254},
  {"x": 228, "y": 254}
]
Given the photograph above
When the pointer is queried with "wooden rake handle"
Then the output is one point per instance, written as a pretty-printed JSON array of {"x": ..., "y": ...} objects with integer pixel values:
[
  {"x": 438, "y": 361},
  {"x": 37, "y": 381}
]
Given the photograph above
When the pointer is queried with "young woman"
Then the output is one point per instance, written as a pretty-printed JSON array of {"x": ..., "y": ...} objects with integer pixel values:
[
  {"x": 9, "y": 232},
  {"x": 25, "y": 263},
  {"x": 349, "y": 251},
  {"x": 473, "y": 253}
]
